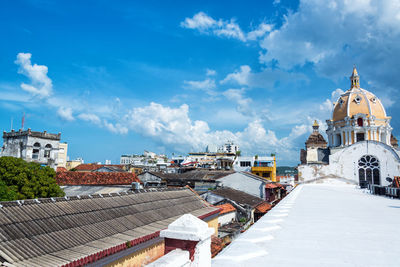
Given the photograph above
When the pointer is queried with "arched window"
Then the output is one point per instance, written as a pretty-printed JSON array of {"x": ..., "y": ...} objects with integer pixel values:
[
  {"x": 369, "y": 170},
  {"x": 47, "y": 150},
  {"x": 36, "y": 150},
  {"x": 360, "y": 122}
]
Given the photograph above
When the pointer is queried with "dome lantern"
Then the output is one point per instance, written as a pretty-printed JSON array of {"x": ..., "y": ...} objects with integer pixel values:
[{"x": 355, "y": 79}]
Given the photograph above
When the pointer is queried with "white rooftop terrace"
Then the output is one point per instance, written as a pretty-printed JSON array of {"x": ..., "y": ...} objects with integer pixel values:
[{"x": 329, "y": 224}]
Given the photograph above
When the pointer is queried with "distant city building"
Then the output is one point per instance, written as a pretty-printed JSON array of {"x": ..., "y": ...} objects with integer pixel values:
[
  {"x": 73, "y": 163},
  {"x": 229, "y": 147},
  {"x": 262, "y": 166},
  {"x": 107, "y": 162},
  {"x": 40, "y": 147},
  {"x": 212, "y": 148},
  {"x": 131, "y": 159},
  {"x": 149, "y": 154},
  {"x": 62, "y": 155}
]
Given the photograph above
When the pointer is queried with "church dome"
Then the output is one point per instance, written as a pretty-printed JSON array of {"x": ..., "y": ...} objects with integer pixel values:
[{"x": 357, "y": 100}]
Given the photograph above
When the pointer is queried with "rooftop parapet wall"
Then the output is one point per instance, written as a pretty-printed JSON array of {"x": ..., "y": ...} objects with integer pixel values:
[{"x": 20, "y": 133}]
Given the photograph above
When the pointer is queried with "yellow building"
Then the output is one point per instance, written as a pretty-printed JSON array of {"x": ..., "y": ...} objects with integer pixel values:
[
  {"x": 265, "y": 167},
  {"x": 73, "y": 163}
]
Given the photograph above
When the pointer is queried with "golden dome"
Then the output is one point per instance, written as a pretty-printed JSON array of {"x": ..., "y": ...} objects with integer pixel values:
[{"x": 357, "y": 100}]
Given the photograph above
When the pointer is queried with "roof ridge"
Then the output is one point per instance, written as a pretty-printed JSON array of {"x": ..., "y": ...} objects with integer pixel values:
[{"x": 26, "y": 202}]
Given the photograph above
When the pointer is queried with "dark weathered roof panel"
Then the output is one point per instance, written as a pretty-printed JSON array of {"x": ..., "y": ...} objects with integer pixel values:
[{"x": 57, "y": 231}]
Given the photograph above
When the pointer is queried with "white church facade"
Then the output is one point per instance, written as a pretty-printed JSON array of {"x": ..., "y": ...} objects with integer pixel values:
[{"x": 360, "y": 144}]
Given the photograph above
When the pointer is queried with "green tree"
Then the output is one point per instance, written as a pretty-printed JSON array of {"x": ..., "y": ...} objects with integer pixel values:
[{"x": 26, "y": 180}]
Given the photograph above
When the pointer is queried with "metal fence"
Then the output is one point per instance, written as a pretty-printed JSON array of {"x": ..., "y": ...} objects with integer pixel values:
[{"x": 384, "y": 190}]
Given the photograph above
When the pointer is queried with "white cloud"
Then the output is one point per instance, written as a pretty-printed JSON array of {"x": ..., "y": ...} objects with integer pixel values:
[
  {"x": 173, "y": 128},
  {"x": 328, "y": 104},
  {"x": 90, "y": 117},
  {"x": 115, "y": 128},
  {"x": 208, "y": 85},
  {"x": 200, "y": 21},
  {"x": 41, "y": 84},
  {"x": 210, "y": 72},
  {"x": 229, "y": 29},
  {"x": 65, "y": 113},
  {"x": 241, "y": 76},
  {"x": 223, "y": 28},
  {"x": 263, "y": 79},
  {"x": 333, "y": 36},
  {"x": 243, "y": 103},
  {"x": 262, "y": 29}
]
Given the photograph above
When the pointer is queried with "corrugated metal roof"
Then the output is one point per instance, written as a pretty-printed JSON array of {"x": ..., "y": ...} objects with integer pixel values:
[{"x": 63, "y": 230}]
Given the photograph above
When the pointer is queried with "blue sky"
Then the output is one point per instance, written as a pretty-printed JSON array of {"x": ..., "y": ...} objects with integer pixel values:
[{"x": 117, "y": 78}]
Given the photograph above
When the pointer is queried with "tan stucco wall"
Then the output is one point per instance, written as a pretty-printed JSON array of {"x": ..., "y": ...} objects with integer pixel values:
[
  {"x": 214, "y": 224},
  {"x": 142, "y": 257}
]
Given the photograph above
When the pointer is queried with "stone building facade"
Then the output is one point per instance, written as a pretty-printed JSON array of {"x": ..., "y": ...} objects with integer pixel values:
[{"x": 40, "y": 147}]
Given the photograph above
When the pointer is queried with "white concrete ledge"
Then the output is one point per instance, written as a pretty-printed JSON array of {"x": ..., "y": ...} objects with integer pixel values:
[{"x": 176, "y": 258}]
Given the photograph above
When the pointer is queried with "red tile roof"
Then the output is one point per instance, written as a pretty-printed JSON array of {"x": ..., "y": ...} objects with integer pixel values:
[
  {"x": 226, "y": 208},
  {"x": 216, "y": 245},
  {"x": 263, "y": 207},
  {"x": 92, "y": 166},
  {"x": 271, "y": 185},
  {"x": 95, "y": 178},
  {"x": 61, "y": 169}
]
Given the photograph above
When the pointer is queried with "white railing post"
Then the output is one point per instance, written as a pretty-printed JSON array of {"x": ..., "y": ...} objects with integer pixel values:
[{"x": 191, "y": 234}]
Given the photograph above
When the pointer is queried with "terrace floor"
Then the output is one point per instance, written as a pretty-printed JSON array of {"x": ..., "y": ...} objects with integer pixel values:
[{"x": 329, "y": 224}]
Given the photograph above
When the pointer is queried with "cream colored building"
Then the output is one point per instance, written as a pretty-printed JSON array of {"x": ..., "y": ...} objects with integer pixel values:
[
  {"x": 73, "y": 163},
  {"x": 62, "y": 155}
]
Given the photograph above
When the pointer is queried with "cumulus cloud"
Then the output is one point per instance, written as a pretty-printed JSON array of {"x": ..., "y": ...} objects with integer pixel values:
[
  {"x": 241, "y": 76},
  {"x": 262, "y": 79},
  {"x": 200, "y": 21},
  {"x": 328, "y": 104},
  {"x": 65, "y": 113},
  {"x": 173, "y": 128},
  {"x": 208, "y": 85},
  {"x": 243, "y": 103},
  {"x": 93, "y": 118},
  {"x": 41, "y": 84},
  {"x": 223, "y": 28},
  {"x": 334, "y": 36},
  {"x": 115, "y": 127},
  {"x": 261, "y": 30}
]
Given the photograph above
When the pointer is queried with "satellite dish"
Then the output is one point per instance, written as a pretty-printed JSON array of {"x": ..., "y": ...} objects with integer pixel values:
[{"x": 390, "y": 180}]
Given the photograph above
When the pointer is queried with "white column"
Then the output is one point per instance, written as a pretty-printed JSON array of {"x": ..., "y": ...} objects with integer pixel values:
[{"x": 348, "y": 137}]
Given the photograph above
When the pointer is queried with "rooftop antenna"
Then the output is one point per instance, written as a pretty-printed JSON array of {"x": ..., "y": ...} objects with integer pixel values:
[
  {"x": 23, "y": 121},
  {"x": 11, "y": 123}
]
